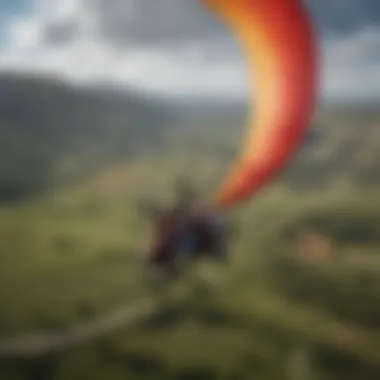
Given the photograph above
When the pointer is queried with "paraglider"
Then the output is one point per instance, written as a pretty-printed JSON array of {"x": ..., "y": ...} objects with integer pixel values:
[
  {"x": 279, "y": 44},
  {"x": 183, "y": 233}
]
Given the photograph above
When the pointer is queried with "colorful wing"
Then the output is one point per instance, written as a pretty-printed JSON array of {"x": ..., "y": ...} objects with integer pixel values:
[{"x": 280, "y": 48}]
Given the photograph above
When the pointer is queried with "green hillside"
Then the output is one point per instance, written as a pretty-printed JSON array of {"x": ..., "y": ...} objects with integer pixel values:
[
  {"x": 298, "y": 299},
  {"x": 52, "y": 132}
]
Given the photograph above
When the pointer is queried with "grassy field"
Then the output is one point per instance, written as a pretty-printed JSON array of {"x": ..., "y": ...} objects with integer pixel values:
[
  {"x": 278, "y": 310},
  {"x": 70, "y": 258}
]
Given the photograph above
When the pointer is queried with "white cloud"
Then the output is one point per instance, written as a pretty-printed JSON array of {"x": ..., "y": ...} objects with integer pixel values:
[
  {"x": 24, "y": 33},
  {"x": 351, "y": 65},
  {"x": 209, "y": 67}
]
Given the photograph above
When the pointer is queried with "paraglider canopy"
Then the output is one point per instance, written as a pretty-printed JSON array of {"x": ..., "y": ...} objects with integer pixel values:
[{"x": 280, "y": 48}]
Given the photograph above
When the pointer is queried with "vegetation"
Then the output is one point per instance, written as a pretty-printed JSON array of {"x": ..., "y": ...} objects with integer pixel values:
[
  {"x": 52, "y": 133},
  {"x": 299, "y": 298}
]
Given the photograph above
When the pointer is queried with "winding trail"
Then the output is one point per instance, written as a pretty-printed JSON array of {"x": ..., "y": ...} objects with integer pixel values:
[
  {"x": 35, "y": 345},
  {"x": 29, "y": 346}
]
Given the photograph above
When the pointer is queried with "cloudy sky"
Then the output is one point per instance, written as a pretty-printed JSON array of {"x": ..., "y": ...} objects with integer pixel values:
[{"x": 174, "y": 48}]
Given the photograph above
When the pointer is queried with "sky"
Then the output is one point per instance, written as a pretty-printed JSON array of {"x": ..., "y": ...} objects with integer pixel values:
[{"x": 174, "y": 48}]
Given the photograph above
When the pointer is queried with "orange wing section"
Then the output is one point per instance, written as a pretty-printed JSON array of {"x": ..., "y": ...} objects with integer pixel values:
[{"x": 280, "y": 48}]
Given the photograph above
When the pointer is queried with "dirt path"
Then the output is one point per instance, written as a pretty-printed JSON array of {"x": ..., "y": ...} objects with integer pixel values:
[
  {"x": 34, "y": 345},
  {"x": 40, "y": 344}
]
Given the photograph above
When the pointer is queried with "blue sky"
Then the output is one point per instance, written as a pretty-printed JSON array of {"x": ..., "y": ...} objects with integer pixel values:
[
  {"x": 12, "y": 6},
  {"x": 9, "y": 8},
  {"x": 173, "y": 48}
]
